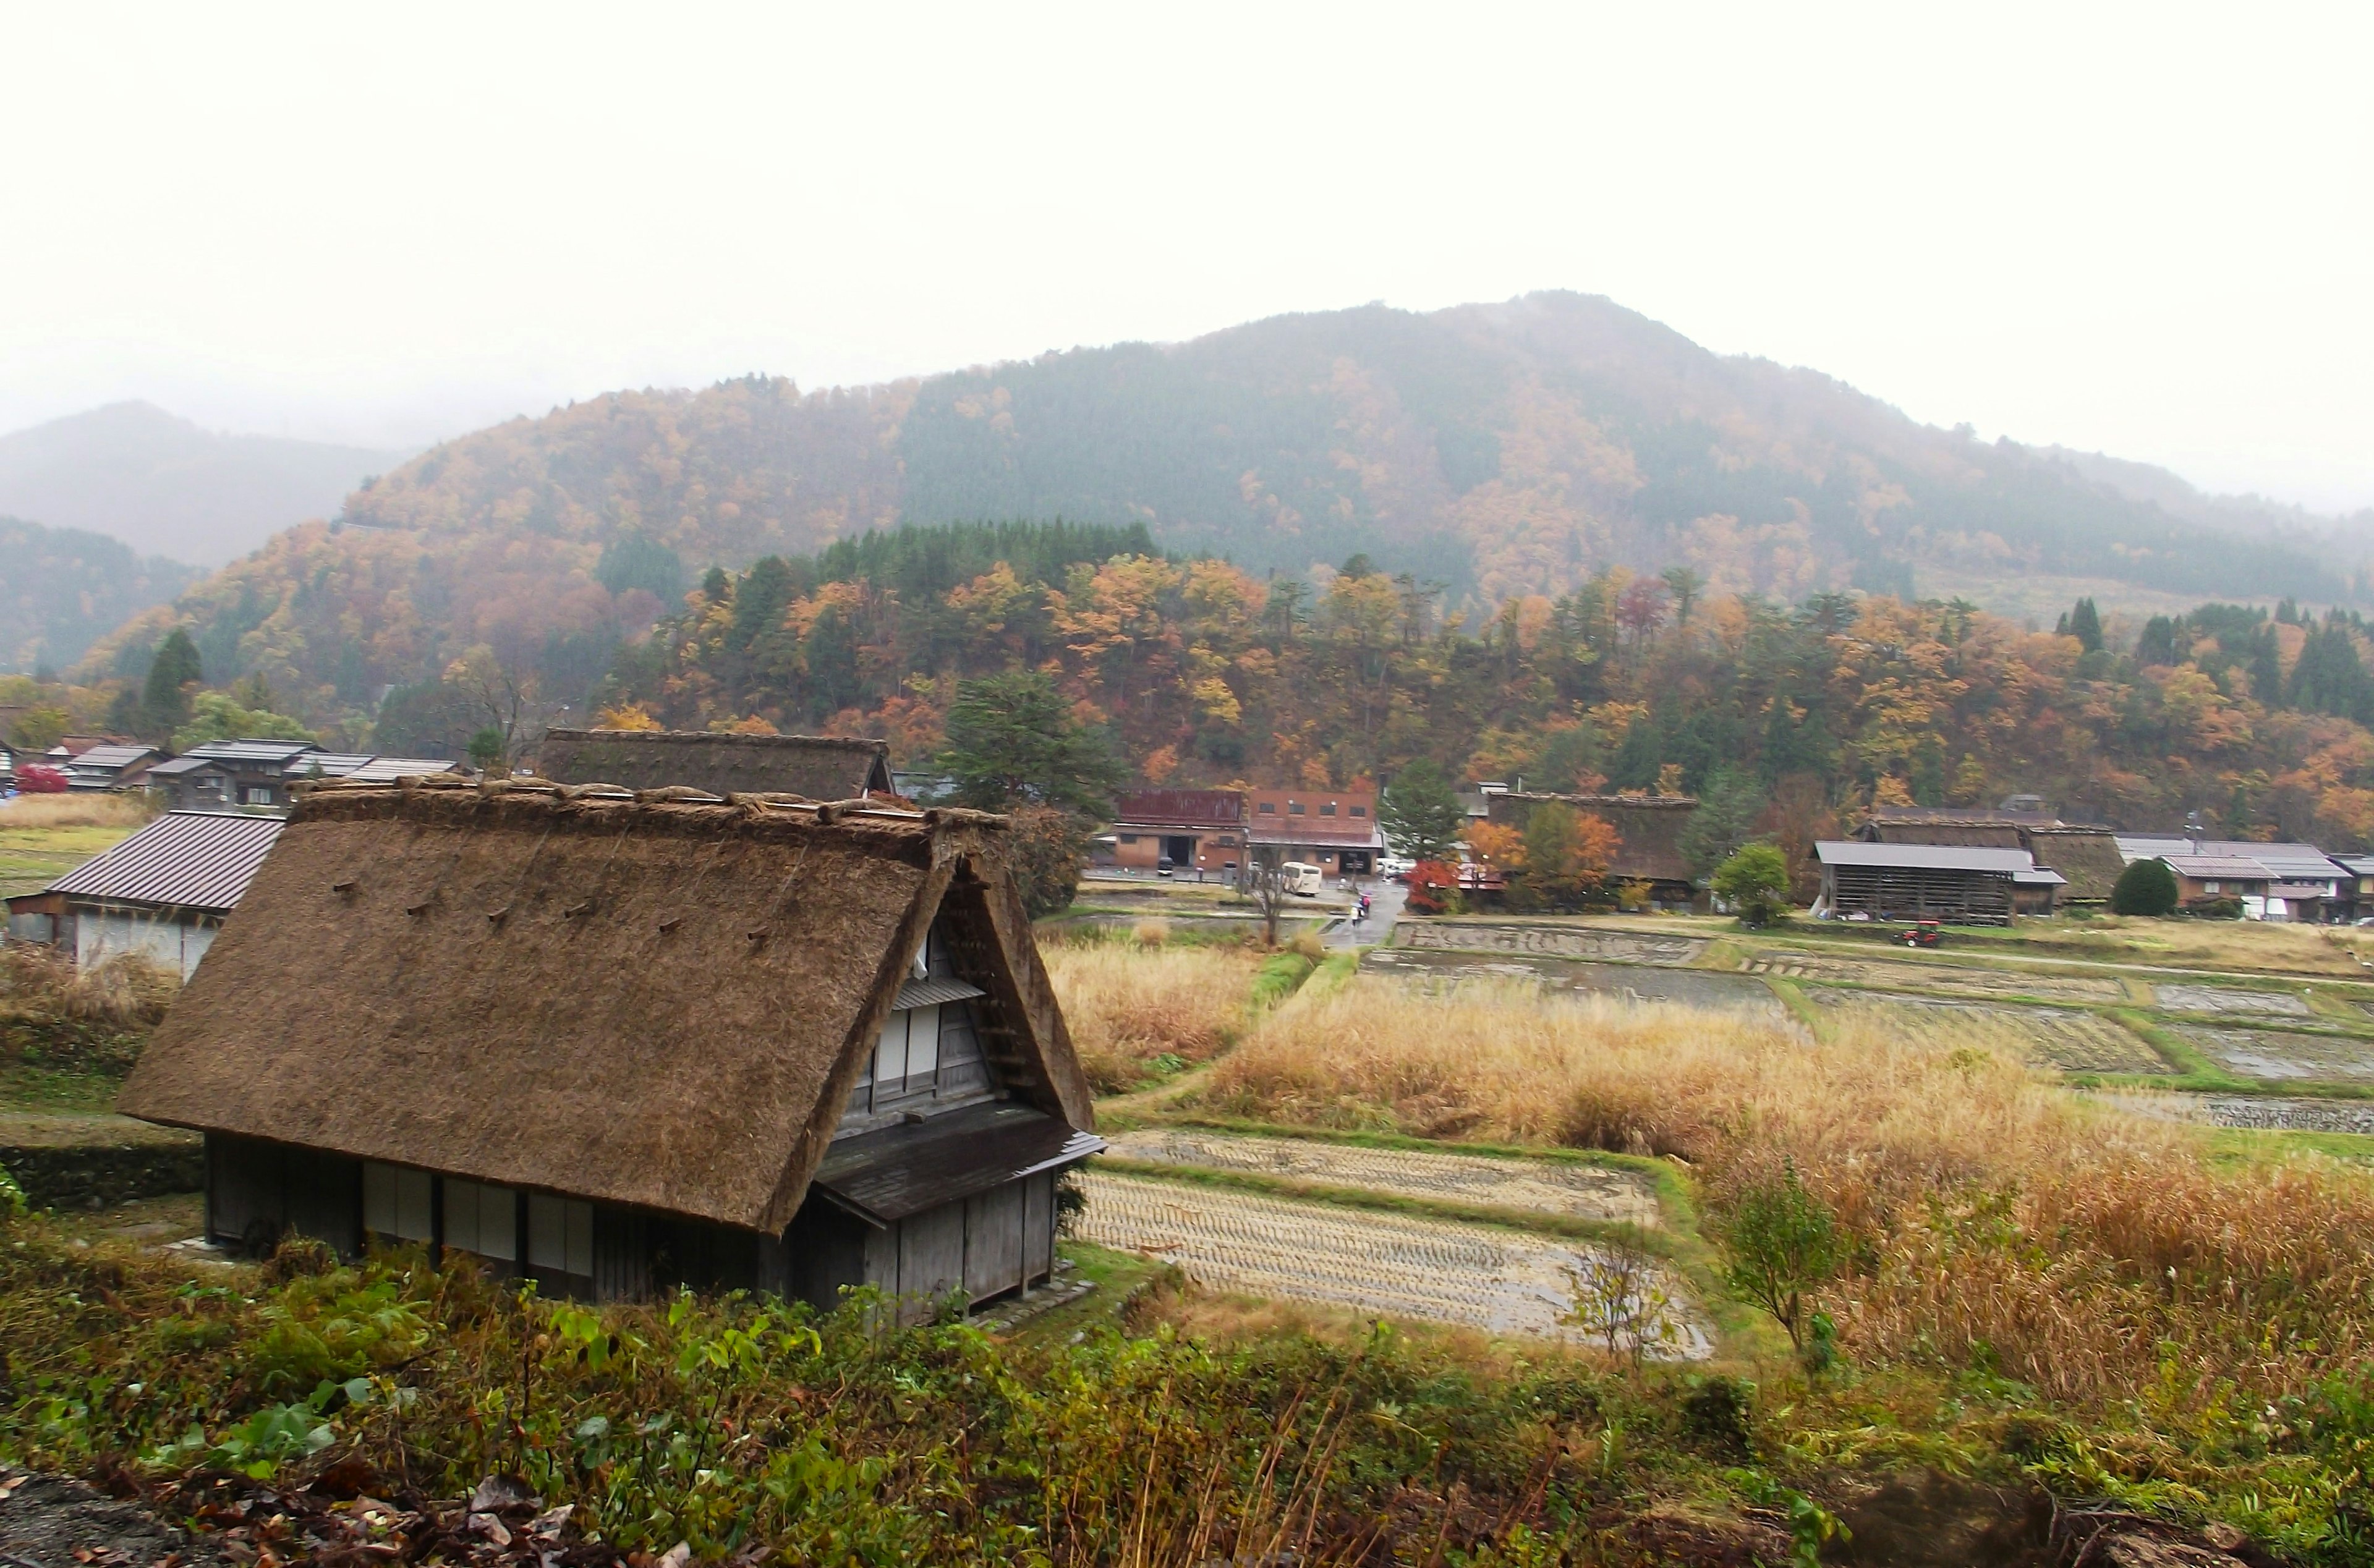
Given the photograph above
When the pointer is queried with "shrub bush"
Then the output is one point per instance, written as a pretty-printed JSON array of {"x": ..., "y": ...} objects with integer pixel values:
[{"x": 2147, "y": 887}]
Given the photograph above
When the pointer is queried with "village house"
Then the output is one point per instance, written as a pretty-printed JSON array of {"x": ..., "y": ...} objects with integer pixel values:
[
  {"x": 161, "y": 893},
  {"x": 2273, "y": 882},
  {"x": 109, "y": 767},
  {"x": 2085, "y": 856},
  {"x": 1189, "y": 831},
  {"x": 261, "y": 774},
  {"x": 616, "y": 1041},
  {"x": 815, "y": 768},
  {"x": 1332, "y": 830},
  {"x": 1647, "y": 835}
]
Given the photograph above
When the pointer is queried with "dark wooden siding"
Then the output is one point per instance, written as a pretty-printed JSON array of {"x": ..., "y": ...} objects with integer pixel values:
[{"x": 259, "y": 1191}]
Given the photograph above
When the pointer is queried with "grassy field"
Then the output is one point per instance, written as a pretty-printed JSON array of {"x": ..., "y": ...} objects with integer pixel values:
[
  {"x": 45, "y": 836},
  {"x": 1142, "y": 1007}
]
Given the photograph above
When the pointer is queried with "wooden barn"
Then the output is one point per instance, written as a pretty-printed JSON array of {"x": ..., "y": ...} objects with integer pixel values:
[
  {"x": 619, "y": 1041},
  {"x": 1965, "y": 884},
  {"x": 815, "y": 768}
]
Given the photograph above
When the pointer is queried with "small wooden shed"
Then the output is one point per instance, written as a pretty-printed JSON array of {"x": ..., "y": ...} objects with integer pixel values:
[{"x": 620, "y": 1041}]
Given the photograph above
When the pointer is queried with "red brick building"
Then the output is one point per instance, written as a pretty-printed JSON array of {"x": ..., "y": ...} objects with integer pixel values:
[{"x": 1192, "y": 829}]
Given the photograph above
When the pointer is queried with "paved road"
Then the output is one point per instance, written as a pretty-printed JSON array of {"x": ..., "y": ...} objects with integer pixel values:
[{"x": 1385, "y": 900}]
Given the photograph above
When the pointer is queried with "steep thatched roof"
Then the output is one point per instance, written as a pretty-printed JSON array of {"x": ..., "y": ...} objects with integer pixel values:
[
  {"x": 1648, "y": 828},
  {"x": 815, "y": 768},
  {"x": 2088, "y": 857},
  {"x": 634, "y": 999},
  {"x": 1969, "y": 833}
]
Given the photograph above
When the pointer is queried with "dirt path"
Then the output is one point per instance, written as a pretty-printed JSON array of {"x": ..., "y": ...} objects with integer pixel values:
[
  {"x": 1432, "y": 1270},
  {"x": 1587, "y": 1192}
]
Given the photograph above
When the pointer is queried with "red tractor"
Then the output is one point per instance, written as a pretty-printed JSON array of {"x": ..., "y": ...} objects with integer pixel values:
[{"x": 1921, "y": 933}]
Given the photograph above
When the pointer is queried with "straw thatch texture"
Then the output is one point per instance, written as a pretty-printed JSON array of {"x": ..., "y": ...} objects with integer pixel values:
[
  {"x": 640, "y": 1001},
  {"x": 2088, "y": 857},
  {"x": 1648, "y": 828},
  {"x": 812, "y": 766},
  {"x": 1946, "y": 832}
]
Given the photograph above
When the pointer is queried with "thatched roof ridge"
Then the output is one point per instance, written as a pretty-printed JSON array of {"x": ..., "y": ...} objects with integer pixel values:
[
  {"x": 2088, "y": 857},
  {"x": 816, "y": 767},
  {"x": 640, "y": 999}
]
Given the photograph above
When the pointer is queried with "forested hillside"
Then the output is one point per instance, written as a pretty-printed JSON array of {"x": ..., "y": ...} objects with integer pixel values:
[
  {"x": 61, "y": 589},
  {"x": 1499, "y": 451},
  {"x": 1782, "y": 717}
]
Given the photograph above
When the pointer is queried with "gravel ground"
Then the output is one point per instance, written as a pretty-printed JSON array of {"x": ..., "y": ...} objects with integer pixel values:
[
  {"x": 2213, "y": 999},
  {"x": 2275, "y": 1053},
  {"x": 1432, "y": 1270},
  {"x": 2061, "y": 1037},
  {"x": 1897, "y": 975},
  {"x": 2266, "y": 1112},
  {"x": 1552, "y": 942},
  {"x": 46, "y": 1522},
  {"x": 1588, "y": 1191}
]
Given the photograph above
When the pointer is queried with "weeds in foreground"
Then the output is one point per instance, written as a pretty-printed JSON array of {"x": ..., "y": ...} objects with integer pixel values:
[{"x": 1988, "y": 1223}]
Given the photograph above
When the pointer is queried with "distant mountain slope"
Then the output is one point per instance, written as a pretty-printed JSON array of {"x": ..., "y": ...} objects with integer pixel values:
[
  {"x": 1504, "y": 449},
  {"x": 61, "y": 589},
  {"x": 160, "y": 483}
]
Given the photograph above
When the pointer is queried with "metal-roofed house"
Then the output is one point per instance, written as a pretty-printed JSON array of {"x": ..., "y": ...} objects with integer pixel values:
[
  {"x": 617, "y": 1042},
  {"x": 163, "y": 893},
  {"x": 2275, "y": 882},
  {"x": 815, "y": 768},
  {"x": 111, "y": 766},
  {"x": 227, "y": 775},
  {"x": 1963, "y": 884}
]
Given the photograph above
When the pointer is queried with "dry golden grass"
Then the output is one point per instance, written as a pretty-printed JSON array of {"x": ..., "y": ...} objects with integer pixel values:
[
  {"x": 1999, "y": 1220},
  {"x": 88, "y": 810},
  {"x": 1128, "y": 1004},
  {"x": 128, "y": 990}
]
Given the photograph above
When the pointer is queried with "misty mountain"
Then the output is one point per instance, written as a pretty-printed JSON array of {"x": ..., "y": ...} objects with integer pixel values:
[
  {"x": 1502, "y": 450},
  {"x": 162, "y": 484},
  {"x": 61, "y": 589}
]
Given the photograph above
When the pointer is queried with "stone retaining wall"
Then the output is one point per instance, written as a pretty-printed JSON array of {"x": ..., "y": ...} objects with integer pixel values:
[{"x": 99, "y": 1175}]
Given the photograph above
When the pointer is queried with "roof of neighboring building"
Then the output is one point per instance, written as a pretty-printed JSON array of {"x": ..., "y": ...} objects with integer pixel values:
[
  {"x": 816, "y": 767},
  {"x": 2359, "y": 865},
  {"x": 2237, "y": 867},
  {"x": 1924, "y": 857},
  {"x": 1321, "y": 832},
  {"x": 635, "y": 999},
  {"x": 2017, "y": 818},
  {"x": 388, "y": 769},
  {"x": 2087, "y": 857},
  {"x": 2299, "y": 890},
  {"x": 179, "y": 767},
  {"x": 884, "y": 1177},
  {"x": 183, "y": 859},
  {"x": 253, "y": 752},
  {"x": 1942, "y": 830},
  {"x": 1648, "y": 828},
  {"x": 2305, "y": 861},
  {"x": 1181, "y": 808},
  {"x": 2040, "y": 876},
  {"x": 109, "y": 758}
]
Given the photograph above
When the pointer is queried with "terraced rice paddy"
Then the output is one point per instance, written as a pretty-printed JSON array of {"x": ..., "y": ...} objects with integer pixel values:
[
  {"x": 2282, "y": 1053},
  {"x": 1437, "y": 972},
  {"x": 2064, "y": 1037},
  {"x": 2274, "y": 1112},
  {"x": 2218, "y": 999},
  {"x": 1551, "y": 941},
  {"x": 1476, "y": 1276},
  {"x": 1586, "y": 1191},
  {"x": 1897, "y": 975}
]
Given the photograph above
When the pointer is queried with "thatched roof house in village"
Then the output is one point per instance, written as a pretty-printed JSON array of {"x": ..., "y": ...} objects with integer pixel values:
[
  {"x": 617, "y": 1041},
  {"x": 1648, "y": 833},
  {"x": 817, "y": 767}
]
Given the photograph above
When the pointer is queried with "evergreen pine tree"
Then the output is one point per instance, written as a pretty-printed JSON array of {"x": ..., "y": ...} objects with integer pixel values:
[{"x": 165, "y": 698}]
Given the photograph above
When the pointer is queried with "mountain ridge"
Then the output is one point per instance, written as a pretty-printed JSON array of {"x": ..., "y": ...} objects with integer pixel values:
[{"x": 1505, "y": 450}]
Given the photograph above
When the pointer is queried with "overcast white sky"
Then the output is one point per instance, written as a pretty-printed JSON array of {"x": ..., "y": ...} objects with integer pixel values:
[{"x": 2144, "y": 229}]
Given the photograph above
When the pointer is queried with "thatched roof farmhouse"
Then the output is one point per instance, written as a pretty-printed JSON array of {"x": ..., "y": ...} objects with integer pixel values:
[
  {"x": 816, "y": 767},
  {"x": 619, "y": 1040}
]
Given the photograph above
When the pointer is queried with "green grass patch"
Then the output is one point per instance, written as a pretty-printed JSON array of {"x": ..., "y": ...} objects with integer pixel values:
[{"x": 1280, "y": 976}]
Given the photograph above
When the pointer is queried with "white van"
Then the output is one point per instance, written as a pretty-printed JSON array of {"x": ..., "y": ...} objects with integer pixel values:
[{"x": 1301, "y": 878}]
